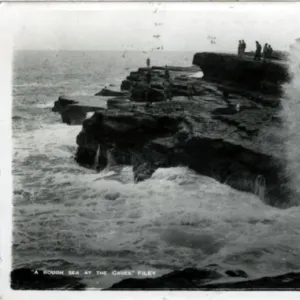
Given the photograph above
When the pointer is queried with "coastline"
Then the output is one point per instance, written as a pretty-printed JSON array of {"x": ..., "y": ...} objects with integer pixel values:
[{"x": 211, "y": 112}]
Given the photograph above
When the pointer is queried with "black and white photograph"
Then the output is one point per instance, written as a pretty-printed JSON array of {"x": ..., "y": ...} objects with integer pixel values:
[{"x": 156, "y": 147}]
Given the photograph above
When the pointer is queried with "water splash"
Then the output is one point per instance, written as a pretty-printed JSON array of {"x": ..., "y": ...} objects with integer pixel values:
[
  {"x": 97, "y": 157},
  {"x": 291, "y": 118},
  {"x": 260, "y": 187},
  {"x": 110, "y": 159}
]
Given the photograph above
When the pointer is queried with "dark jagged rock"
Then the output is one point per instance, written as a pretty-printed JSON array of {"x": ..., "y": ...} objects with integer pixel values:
[
  {"x": 208, "y": 135},
  {"x": 265, "y": 77},
  {"x": 180, "y": 79},
  {"x": 186, "y": 279},
  {"x": 276, "y": 55},
  {"x": 62, "y": 103},
  {"x": 126, "y": 85},
  {"x": 281, "y": 282},
  {"x": 139, "y": 90},
  {"x": 207, "y": 279},
  {"x": 210, "y": 139},
  {"x": 108, "y": 92},
  {"x": 27, "y": 279},
  {"x": 74, "y": 110}
]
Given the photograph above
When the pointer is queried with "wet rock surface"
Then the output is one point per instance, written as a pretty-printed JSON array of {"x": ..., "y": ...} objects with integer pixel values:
[
  {"x": 208, "y": 279},
  {"x": 222, "y": 125},
  {"x": 218, "y": 130}
]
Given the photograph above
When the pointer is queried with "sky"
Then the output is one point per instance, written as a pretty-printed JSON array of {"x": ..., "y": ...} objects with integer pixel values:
[{"x": 144, "y": 26}]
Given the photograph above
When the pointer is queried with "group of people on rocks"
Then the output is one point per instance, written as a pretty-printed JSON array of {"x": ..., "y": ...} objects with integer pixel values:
[
  {"x": 266, "y": 52},
  {"x": 241, "y": 48}
]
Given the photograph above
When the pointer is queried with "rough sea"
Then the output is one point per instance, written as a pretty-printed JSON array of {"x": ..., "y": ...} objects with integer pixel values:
[{"x": 67, "y": 217}]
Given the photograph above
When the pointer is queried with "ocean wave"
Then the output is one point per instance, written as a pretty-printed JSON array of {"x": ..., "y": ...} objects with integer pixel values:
[
  {"x": 178, "y": 224},
  {"x": 291, "y": 119},
  {"x": 175, "y": 219},
  {"x": 45, "y": 105}
]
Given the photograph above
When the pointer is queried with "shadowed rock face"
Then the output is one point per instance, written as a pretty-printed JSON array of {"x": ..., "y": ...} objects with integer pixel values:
[
  {"x": 205, "y": 133},
  {"x": 74, "y": 110},
  {"x": 263, "y": 76},
  {"x": 203, "y": 279},
  {"x": 213, "y": 143},
  {"x": 108, "y": 92}
]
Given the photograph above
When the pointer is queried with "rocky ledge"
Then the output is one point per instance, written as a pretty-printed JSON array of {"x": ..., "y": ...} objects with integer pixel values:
[
  {"x": 207, "y": 278},
  {"x": 265, "y": 76},
  {"x": 236, "y": 144},
  {"x": 210, "y": 279}
]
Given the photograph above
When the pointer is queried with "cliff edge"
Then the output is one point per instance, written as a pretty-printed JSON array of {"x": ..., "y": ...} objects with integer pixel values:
[
  {"x": 264, "y": 76},
  {"x": 238, "y": 147}
]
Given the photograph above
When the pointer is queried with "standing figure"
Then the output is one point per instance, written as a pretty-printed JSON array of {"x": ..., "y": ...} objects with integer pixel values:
[
  {"x": 167, "y": 90},
  {"x": 148, "y": 62},
  {"x": 243, "y": 47},
  {"x": 270, "y": 51},
  {"x": 265, "y": 51},
  {"x": 240, "y": 48},
  {"x": 167, "y": 73},
  {"x": 257, "y": 55}
]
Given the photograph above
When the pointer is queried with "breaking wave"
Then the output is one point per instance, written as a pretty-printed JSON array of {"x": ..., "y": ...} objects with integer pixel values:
[
  {"x": 69, "y": 217},
  {"x": 291, "y": 118}
]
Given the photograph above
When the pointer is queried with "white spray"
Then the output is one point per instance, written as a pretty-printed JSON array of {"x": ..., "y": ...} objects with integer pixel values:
[
  {"x": 97, "y": 157},
  {"x": 291, "y": 118},
  {"x": 110, "y": 159}
]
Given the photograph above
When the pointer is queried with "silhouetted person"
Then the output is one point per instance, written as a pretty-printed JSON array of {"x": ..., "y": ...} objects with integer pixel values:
[
  {"x": 257, "y": 55},
  {"x": 167, "y": 73},
  {"x": 243, "y": 47},
  {"x": 148, "y": 62},
  {"x": 270, "y": 51},
  {"x": 265, "y": 51},
  {"x": 167, "y": 90},
  {"x": 240, "y": 48}
]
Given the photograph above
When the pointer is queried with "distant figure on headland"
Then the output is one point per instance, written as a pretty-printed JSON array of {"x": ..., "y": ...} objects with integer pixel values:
[
  {"x": 240, "y": 48},
  {"x": 243, "y": 47},
  {"x": 270, "y": 51},
  {"x": 257, "y": 55},
  {"x": 167, "y": 90},
  {"x": 148, "y": 62},
  {"x": 167, "y": 73},
  {"x": 265, "y": 51}
]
